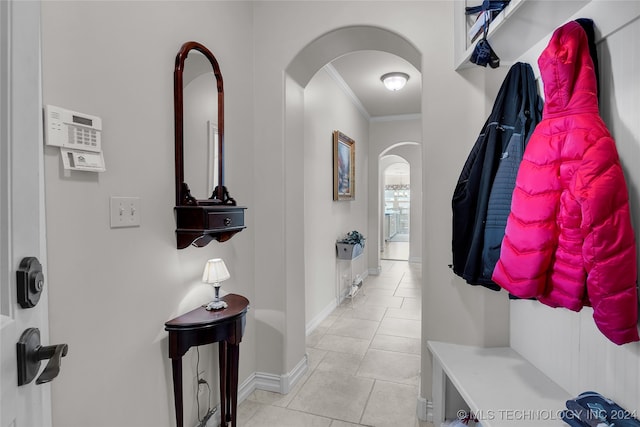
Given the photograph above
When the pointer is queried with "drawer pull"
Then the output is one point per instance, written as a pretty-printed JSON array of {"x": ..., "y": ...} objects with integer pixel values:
[{"x": 227, "y": 221}]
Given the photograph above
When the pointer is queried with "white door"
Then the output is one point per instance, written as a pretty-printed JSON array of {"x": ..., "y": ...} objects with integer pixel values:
[{"x": 22, "y": 232}]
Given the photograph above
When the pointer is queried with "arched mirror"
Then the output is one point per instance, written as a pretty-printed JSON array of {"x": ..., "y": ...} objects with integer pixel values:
[
  {"x": 204, "y": 209},
  {"x": 200, "y": 125}
]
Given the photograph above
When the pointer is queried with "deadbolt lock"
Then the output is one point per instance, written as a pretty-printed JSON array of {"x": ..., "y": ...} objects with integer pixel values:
[{"x": 30, "y": 280}]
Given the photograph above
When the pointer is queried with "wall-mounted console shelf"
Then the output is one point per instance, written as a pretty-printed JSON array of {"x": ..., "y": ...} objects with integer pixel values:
[
  {"x": 199, "y": 225},
  {"x": 522, "y": 24},
  {"x": 199, "y": 221}
]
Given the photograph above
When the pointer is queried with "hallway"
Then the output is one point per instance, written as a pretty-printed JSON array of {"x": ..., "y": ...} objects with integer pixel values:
[
  {"x": 364, "y": 362},
  {"x": 396, "y": 249}
]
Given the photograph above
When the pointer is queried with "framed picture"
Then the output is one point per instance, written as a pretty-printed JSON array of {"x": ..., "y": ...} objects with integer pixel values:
[{"x": 344, "y": 167}]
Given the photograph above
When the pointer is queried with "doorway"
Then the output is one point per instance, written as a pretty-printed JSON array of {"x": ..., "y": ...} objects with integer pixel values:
[
  {"x": 22, "y": 222},
  {"x": 396, "y": 197},
  {"x": 361, "y": 213}
]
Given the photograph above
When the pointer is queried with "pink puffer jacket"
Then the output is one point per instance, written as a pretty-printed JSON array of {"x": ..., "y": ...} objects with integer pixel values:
[{"x": 569, "y": 240}]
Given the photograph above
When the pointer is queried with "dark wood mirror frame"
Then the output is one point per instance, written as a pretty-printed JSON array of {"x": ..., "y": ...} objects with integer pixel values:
[{"x": 218, "y": 218}]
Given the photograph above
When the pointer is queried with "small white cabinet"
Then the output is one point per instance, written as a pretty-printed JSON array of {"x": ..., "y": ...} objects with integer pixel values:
[{"x": 522, "y": 24}]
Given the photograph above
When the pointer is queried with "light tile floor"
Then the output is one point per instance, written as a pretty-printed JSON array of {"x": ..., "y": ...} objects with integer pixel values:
[
  {"x": 395, "y": 251},
  {"x": 364, "y": 362}
]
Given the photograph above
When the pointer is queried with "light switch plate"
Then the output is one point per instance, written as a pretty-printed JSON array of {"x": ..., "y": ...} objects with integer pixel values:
[{"x": 125, "y": 211}]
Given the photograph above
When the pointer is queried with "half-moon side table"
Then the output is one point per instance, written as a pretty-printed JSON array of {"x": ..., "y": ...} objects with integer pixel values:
[{"x": 200, "y": 327}]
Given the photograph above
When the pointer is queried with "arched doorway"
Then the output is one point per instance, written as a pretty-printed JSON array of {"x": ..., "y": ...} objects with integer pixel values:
[
  {"x": 280, "y": 216},
  {"x": 397, "y": 287},
  {"x": 396, "y": 200},
  {"x": 408, "y": 154},
  {"x": 323, "y": 50}
]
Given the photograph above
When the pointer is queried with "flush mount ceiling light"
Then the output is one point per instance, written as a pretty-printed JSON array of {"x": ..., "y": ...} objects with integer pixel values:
[{"x": 395, "y": 81}]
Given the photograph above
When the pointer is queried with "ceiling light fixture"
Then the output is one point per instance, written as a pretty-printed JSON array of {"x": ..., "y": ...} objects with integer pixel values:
[{"x": 394, "y": 81}]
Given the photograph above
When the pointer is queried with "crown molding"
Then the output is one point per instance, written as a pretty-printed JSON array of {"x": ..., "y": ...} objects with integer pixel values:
[{"x": 333, "y": 73}]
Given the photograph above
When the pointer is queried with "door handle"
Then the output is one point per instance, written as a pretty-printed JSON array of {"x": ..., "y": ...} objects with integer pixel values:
[
  {"x": 54, "y": 353},
  {"x": 31, "y": 354}
]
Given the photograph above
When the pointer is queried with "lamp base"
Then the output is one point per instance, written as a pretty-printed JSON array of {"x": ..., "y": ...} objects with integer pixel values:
[{"x": 216, "y": 305}]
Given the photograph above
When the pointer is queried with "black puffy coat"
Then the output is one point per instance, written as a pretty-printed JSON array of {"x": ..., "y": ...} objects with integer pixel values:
[{"x": 482, "y": 198}]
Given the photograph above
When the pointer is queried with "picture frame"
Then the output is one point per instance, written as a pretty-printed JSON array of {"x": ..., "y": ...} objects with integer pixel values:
[{"x": 344, "y": 167}]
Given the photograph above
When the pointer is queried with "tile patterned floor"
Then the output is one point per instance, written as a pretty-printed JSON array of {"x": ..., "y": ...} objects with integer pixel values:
[
  {"x": 395, "y": 251},
  {"x": 364, "y": 362}
]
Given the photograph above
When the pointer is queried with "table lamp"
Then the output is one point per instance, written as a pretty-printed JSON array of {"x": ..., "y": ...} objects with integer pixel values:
[{"x": 215, "y": 272}]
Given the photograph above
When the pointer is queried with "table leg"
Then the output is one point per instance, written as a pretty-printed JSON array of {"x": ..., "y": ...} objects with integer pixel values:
[
  {"x": 176, "y": 365},
  {"x": 233, "y": 355},
  {"x": 224, "y": 393}
]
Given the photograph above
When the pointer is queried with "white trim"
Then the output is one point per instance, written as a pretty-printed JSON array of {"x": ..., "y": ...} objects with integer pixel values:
[
  {"x": 333, "y": 73},
  {"x": 268, "y": 382},
  {"x": 22, "y": 219},
  {"x": 282, "y": 384},
  {"x": 319, "y": 318},
  {"x": 396, "y": 117},
  {"x": 5, "y": 164},
  {"x": 424, "y": 409},
  {"x": 375, "y": 271},
  {"x": 337, "y": 78},
  {"x": 288, "y": 381},
  {"x": 246, "y": 388},
  {"x": 415, "y": 260}
]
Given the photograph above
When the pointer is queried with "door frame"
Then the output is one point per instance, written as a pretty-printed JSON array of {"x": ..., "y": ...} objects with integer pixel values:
[{"x": 22, "y": 220}]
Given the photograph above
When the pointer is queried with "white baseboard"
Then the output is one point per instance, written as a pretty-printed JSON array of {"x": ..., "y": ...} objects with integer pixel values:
[
  {"x": 421, "y": 409},
  {"x": 268, "y": 382},
  {"x": 313, "y": 324},
  {"x": 424, "y": 409},
  {"x": 415, "y": 260},
  {"x": 375, "y": 271},
  {"x": 282, "y": 384},
  {"x": 290, "y": 379},
  {"x": 319, "y": 318},
  {"x": 246, "y": 388}
]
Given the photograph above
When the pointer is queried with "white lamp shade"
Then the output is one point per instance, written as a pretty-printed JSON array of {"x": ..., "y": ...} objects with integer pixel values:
[
  {"x": 215, "y": 271},
  {"x": 394, "y": 81}
]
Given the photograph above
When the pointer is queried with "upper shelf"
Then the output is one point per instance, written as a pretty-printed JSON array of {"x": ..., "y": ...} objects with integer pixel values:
[{"x": 521, "y": 24}]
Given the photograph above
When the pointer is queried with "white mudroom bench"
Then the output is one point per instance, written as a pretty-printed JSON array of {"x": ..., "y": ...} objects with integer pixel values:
[{"x": 500, "y": 387}]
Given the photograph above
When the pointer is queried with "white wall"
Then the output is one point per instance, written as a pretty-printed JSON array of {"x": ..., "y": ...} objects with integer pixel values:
[
  {"x": 454, "y": 107},
  {"x": 452, "y": 115},
  {"x": 122, "y": 56},
  {"x": 327, "y": 108},
  {"x": 111, "y": 290},
  {"x": 385, "y": 139},
  {"x": 566, "y": 345}
]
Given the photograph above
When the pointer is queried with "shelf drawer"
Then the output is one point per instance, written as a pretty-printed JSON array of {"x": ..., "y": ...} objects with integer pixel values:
[{"x": 225, "y": 219}]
